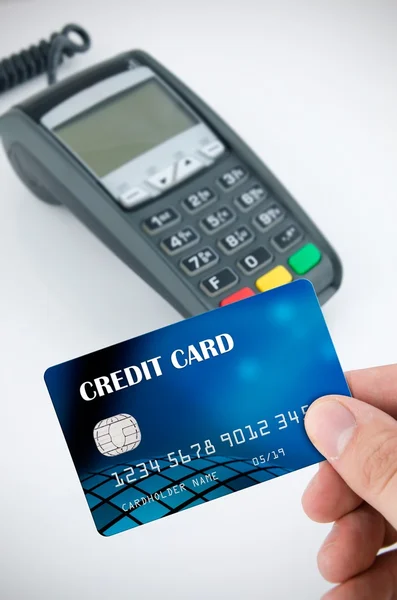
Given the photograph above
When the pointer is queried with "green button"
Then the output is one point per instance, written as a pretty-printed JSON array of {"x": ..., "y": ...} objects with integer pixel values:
[{"x": 305, "y": 259}]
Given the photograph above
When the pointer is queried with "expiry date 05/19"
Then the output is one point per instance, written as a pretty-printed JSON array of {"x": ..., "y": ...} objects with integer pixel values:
[{"x": 270, "y": 456}]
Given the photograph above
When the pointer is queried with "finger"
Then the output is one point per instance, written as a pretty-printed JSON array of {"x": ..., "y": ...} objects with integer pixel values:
[
  {"x": 352, "y": 545},
  {"x": 360, "y": 441},
  {"x": 327, "y": 497},
  {"x": 379, "y": 582},
  {"x": 390, "y": 535},
  {"x": 377, "y": 386}
]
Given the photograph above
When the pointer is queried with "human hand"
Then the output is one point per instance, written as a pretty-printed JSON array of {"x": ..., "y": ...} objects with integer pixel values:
[{"x": 357, "y": 486}]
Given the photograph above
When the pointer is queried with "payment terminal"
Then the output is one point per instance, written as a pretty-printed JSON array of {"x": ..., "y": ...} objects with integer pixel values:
[{"x": 166, "y": 184}]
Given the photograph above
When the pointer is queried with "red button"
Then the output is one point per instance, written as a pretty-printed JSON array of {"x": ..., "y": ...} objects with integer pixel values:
[{"x": 240, "y": 295}]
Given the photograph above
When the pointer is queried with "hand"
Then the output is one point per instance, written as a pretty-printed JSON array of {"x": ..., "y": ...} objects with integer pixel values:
[{"x": 357, "y": 486}]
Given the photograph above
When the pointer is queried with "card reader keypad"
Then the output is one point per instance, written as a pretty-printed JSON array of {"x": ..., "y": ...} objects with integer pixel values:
[
  {"x": 180, "y": 240},
  {"x": 229, "y": 179},
  {"x": 218, "y": 220},
  {"x": 254, "y": 260},
  {"x": 229, "y": 236},
  {"x": 251, "y": 198},
  {"x": 161, "y": 220},
  {"x": 199, "y": 199},
  {"x": 270, "y": 216},
  {"x": 236, "y": 239},
  {"x": 287, "y": 238},
  {"x": 219, "y": 282},
  {"x": 199, "y": 261}
]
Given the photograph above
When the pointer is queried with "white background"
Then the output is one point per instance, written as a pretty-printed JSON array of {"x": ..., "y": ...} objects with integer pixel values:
[{"x": 312, "y": 87}]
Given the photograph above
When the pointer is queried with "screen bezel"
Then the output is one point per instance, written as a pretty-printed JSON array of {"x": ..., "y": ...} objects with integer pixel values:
[
  {"x": 106, "y": 105},
  {"x": 138, "y": 171}
]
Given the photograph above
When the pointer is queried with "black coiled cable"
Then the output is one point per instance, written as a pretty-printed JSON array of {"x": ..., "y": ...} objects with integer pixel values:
[{"x": 44, "y": 57}]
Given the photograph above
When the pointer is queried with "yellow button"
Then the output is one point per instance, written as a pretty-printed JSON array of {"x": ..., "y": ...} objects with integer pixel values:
[{"x": 277, "y": 276}]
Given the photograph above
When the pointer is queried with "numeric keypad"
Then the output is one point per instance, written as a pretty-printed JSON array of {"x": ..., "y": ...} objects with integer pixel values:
[
  {"x": 199, "y": 261},
  {"x": 235, "y": 240},
  {"x": 182, "y": 239}
]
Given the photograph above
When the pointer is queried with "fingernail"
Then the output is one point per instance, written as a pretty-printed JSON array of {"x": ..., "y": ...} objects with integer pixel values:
[{"x": 330, "y": 426}]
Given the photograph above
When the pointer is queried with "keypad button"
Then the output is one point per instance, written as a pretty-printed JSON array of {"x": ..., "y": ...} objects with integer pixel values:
[
  {"x": 233, "y": 177},
  {"x": 180, "y": 241},
  {"x": 269, "y": 217},
  {"x": 213, "y": 150},
  {"x": 236, "y": 240},
  {"x": 274, "y": 278},
  {"x": 186, "y": 167},
  {"x": 133, "y": 196},
  {"x": 287, "y": 238},
  {"x": 199, "y": 261},
  {"x": 163, "y": 179},
  {"x": 305, "y": 259},
  {"x": 160, "y": 221},
  {"x": 251, "y": 198},
  {"x": 240, "y": 295},
  {"x": 217, "y": 220},
  {"x": 219, "y": 282},
  {"x": 255, "y": 260},
  {"x": 199, "y": 200}
]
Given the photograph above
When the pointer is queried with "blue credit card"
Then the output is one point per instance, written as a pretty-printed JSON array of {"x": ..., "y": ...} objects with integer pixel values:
[{"x": 197, "y": 410}]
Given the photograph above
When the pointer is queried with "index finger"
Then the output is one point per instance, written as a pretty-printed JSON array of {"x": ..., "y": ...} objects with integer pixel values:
[{"x": 376, "y": 386}]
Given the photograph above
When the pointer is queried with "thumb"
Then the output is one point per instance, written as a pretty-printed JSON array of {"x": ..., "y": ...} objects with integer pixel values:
[{"x": 360, "y": 442}]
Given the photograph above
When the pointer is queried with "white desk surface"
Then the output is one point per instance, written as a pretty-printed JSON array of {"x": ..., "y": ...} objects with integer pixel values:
[{"x": 312, "y": 87}]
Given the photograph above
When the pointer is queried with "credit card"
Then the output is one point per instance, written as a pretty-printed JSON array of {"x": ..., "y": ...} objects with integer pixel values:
[{"x": 197, "y": 410}]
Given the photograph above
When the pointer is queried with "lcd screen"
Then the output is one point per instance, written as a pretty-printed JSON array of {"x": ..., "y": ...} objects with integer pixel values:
[{"x": 125, "y": 126}]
